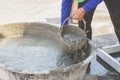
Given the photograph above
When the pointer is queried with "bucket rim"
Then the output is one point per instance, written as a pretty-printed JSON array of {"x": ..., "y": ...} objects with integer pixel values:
[{"x": 65, "y": 69}]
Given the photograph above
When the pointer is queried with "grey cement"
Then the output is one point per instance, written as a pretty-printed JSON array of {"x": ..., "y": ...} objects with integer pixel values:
[
  {"x": 71, "y": 37},
  {"x": 32, "y": 53},
  {"x": 74, "y": 41}
]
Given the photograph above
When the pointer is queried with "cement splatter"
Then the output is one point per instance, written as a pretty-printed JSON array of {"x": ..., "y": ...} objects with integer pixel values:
[{"x": 74, "y": 41}]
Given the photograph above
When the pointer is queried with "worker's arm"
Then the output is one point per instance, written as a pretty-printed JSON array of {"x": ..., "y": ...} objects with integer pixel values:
[
  {"x": 91, "y": 4},
  {"x": 79, "y": 13},
  {"x": 65, "y": 10}
]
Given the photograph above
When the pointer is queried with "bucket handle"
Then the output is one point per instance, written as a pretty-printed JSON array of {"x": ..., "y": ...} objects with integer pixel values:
[{"x": 70, "y": 17}]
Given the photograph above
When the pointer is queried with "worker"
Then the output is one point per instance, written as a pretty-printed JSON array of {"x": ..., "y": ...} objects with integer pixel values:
[
  {"x": 66, "y": 10},
  {"x": 113, "y": 7}
]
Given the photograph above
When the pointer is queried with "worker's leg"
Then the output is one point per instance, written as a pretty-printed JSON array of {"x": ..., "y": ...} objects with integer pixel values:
[
  {"x": 88, "y": 18},
  {"x": 114, "y": 10}
]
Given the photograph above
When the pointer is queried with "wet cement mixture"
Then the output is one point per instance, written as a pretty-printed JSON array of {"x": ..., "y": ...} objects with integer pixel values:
[
  {"x": 32, "y": 53},
  {"x": 74, "y": 37},
  {"x": 71, "y": 37}
]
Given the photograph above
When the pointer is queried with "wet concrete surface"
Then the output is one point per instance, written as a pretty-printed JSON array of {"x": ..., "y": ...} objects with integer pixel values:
[{"x": 41, "y": 53}]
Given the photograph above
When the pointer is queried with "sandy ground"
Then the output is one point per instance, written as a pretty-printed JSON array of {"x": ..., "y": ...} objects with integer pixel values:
[
  {"x": 101, "y": 22},
  {"x": 31, "y": 10},
  {"x": 48, "y": 11}
]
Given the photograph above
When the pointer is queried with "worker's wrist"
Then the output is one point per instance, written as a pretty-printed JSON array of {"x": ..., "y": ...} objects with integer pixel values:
[{"x": 82, "y": 10}]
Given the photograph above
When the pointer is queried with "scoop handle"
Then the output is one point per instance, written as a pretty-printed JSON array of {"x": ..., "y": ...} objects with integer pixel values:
[
  {"x": 68, "y": 18},
  {"x": 61, "y": 28}
]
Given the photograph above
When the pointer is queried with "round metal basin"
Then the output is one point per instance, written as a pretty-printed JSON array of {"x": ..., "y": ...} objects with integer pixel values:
[{"x": 33, "y": 51}]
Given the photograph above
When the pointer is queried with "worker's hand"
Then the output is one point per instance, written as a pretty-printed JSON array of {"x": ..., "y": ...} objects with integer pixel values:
[{"x": 78, "y": 14}]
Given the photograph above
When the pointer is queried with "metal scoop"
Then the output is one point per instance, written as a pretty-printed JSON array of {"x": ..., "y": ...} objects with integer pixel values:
[{"x": 74, "y": 37}]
